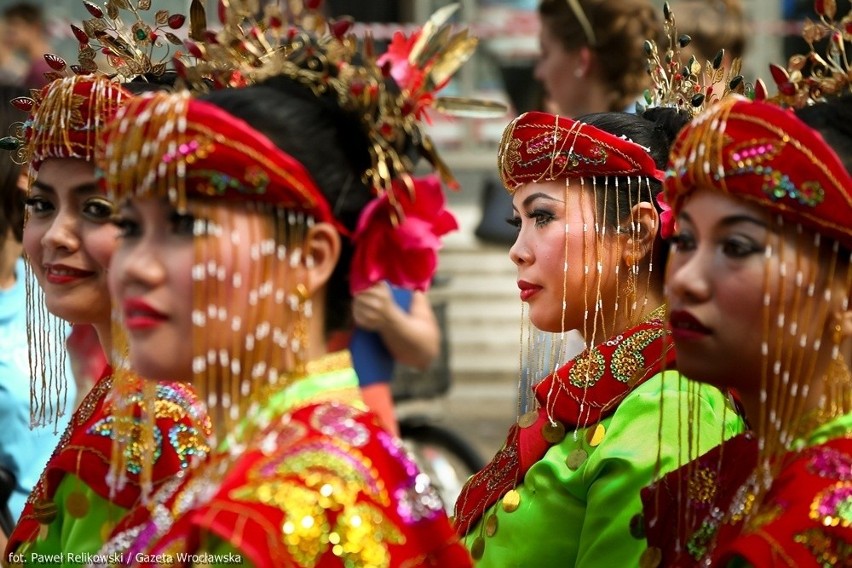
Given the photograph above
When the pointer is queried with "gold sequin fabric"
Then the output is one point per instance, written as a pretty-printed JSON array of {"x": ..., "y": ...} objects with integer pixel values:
[{"x": 322, "y": 485}]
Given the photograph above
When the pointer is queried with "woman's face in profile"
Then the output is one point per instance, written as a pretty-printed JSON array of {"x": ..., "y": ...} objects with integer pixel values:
[
  {"x": 559, "y": 258},
  {"x": 556, "y": 69}
]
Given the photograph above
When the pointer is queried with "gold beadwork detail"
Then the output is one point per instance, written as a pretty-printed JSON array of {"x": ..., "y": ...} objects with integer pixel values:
[{"x": 511, "y": 501}]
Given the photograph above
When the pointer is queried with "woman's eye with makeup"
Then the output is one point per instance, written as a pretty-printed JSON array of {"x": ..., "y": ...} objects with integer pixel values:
[
  {"x": 514, "y": 221},
  {"x": 682, "y": 241},
  {"x": 38, "y": 206},
  {"x": 185, "y": 224},
  {"x": 541, "y": 217},
  {"x": 127, "y": 227},
  {"x": 740, "y": 247},
  {"x": 98, "y": 209}
]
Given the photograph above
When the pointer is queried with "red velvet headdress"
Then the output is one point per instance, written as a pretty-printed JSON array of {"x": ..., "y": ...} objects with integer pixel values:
[
  {"x": 66, "y": 117},
  {"x": 764, "y": 154},
  {"x": 174, "y": 145},
  {"x": 538, "y": 146}
]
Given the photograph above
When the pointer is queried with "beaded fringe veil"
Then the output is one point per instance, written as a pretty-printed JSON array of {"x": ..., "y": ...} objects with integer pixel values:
[
  {"x": 807, "y": 277},
  {"x": 64, "y": 124},
  {"x": 602, "y": 317},
  {"x": 249, "y": 318}
]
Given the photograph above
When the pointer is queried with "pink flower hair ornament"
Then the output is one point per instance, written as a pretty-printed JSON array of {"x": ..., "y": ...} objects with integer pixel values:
[
  {"x": 403, "y": 252},
  {"x": 667, "y": 220}
]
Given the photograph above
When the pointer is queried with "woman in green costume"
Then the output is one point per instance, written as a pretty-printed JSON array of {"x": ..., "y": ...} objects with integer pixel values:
[{"x": 589, "y": 253}]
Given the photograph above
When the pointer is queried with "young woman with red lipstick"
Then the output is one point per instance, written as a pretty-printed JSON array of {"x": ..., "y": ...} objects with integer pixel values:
[
  {"x": 69, "y": 239},
  {"x": 234, "y": 273},
  {"x": 759, "y": 285},
  {"x": 589, "y": 257}
]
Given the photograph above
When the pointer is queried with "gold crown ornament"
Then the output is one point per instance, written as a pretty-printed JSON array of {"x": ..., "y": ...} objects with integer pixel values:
[
  {"x": 690, "y": 86},
  {"x": 811, "y": 77},
  {"x": 390, "y": 93}
]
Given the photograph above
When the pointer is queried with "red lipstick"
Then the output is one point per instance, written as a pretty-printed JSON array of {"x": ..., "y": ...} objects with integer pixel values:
[
  {"x": 62, "y": 274},
  {"x": 528, "y": 290},
  {"x": 139, "y": 315},
  {"x": 686, "y": 327}
]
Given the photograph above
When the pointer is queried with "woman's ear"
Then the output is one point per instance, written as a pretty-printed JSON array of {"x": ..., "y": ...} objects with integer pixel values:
[
  {"x": 641, "y": 233},
  {"x": 583, "y": 62},
  {"x": 322, "y": 247}
]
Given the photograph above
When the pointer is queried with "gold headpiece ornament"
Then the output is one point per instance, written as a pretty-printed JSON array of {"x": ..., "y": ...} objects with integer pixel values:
[
  {"x": 141, "y": 48},
  {"x": 300, "y": 43},
  {"x": 684, "y": 85},
  {"x": 827, "y": 75},
  {"x": 130, "y": 53}
]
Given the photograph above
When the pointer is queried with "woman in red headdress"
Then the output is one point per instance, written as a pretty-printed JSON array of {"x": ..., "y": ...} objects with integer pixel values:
[
  {"x": 759, "y": 284},
  {"x": 234, "y": 273},
  {"x": 69, "y": 240},
  {"x": 244, "y": 258},
  {"x": 589, "y": 255}
]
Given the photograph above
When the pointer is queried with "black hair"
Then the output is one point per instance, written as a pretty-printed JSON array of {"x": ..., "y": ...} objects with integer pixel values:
[
  {"x": 11, "y": 195},
  {"x": 832, "y": 119},
  {"x": 656, "y": 130},
  {"x": 28, "y": 12},
  {"x": 149, "y": 83},
  {"x": 332, "y": 146}
]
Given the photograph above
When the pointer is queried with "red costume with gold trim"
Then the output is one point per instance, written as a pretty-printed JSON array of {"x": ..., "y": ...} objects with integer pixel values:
[
  {"x": 181, "y": 435},
  {"x": 695, "y": 515},
  {"x": 720, "y": 510},
  {"x": 323, "y": 485}
]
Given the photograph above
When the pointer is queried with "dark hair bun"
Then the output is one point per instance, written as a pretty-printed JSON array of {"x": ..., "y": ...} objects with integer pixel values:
[{"x": 668, "y": 121}]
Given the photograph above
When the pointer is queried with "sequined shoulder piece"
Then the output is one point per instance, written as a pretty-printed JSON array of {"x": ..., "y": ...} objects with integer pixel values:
[
  {"x": 322, "y": 485},
  {"x": 584, "y": 391},
  {"x": 40, "y": 509},
  {"x": 806, "y": 518},
  {"x": 181, "y": 436}
]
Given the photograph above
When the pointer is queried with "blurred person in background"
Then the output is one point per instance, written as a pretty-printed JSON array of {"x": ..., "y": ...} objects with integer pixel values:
[
  {"x": 12, "y": 69},
  {"x": 25, "y": 35},
  {"x": 713, "y": 25},
  {"x": 592, "y": 56}
]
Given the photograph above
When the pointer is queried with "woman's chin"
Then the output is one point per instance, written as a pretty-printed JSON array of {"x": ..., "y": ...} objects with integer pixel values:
[{"x": 156, "y": 371}]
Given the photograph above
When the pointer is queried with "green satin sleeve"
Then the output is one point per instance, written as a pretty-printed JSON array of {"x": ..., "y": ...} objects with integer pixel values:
[
  {"x": 69, "y": 539},
  {"x": 577, "y": 512},
  {"x": 668, "y": 420}
]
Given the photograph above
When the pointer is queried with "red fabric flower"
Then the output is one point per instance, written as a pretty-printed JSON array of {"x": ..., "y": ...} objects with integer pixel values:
[
  {"x": 405, "y": 253},
  {"x": 667, "y": 221},
  {"x": 406, "y": 75},
  {"x": 409, "y": 77}
]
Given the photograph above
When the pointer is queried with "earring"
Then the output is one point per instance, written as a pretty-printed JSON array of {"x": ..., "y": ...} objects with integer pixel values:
[
  {"x": 629, "y": 291},
  {"x": 838, "y": 377},
  {"x": 300, "y": 331}
]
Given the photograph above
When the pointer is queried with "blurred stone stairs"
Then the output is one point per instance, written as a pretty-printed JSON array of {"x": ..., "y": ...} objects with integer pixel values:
[{"x": 483, "y": 307}]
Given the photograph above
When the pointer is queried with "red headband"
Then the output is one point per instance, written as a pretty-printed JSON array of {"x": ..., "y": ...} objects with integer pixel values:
[
  {"x": 67, "y": 115},
  {"x": 538, "y": 146},
  {"x": 171, "y": 144},
  {"x": 764, "y": 154}
]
